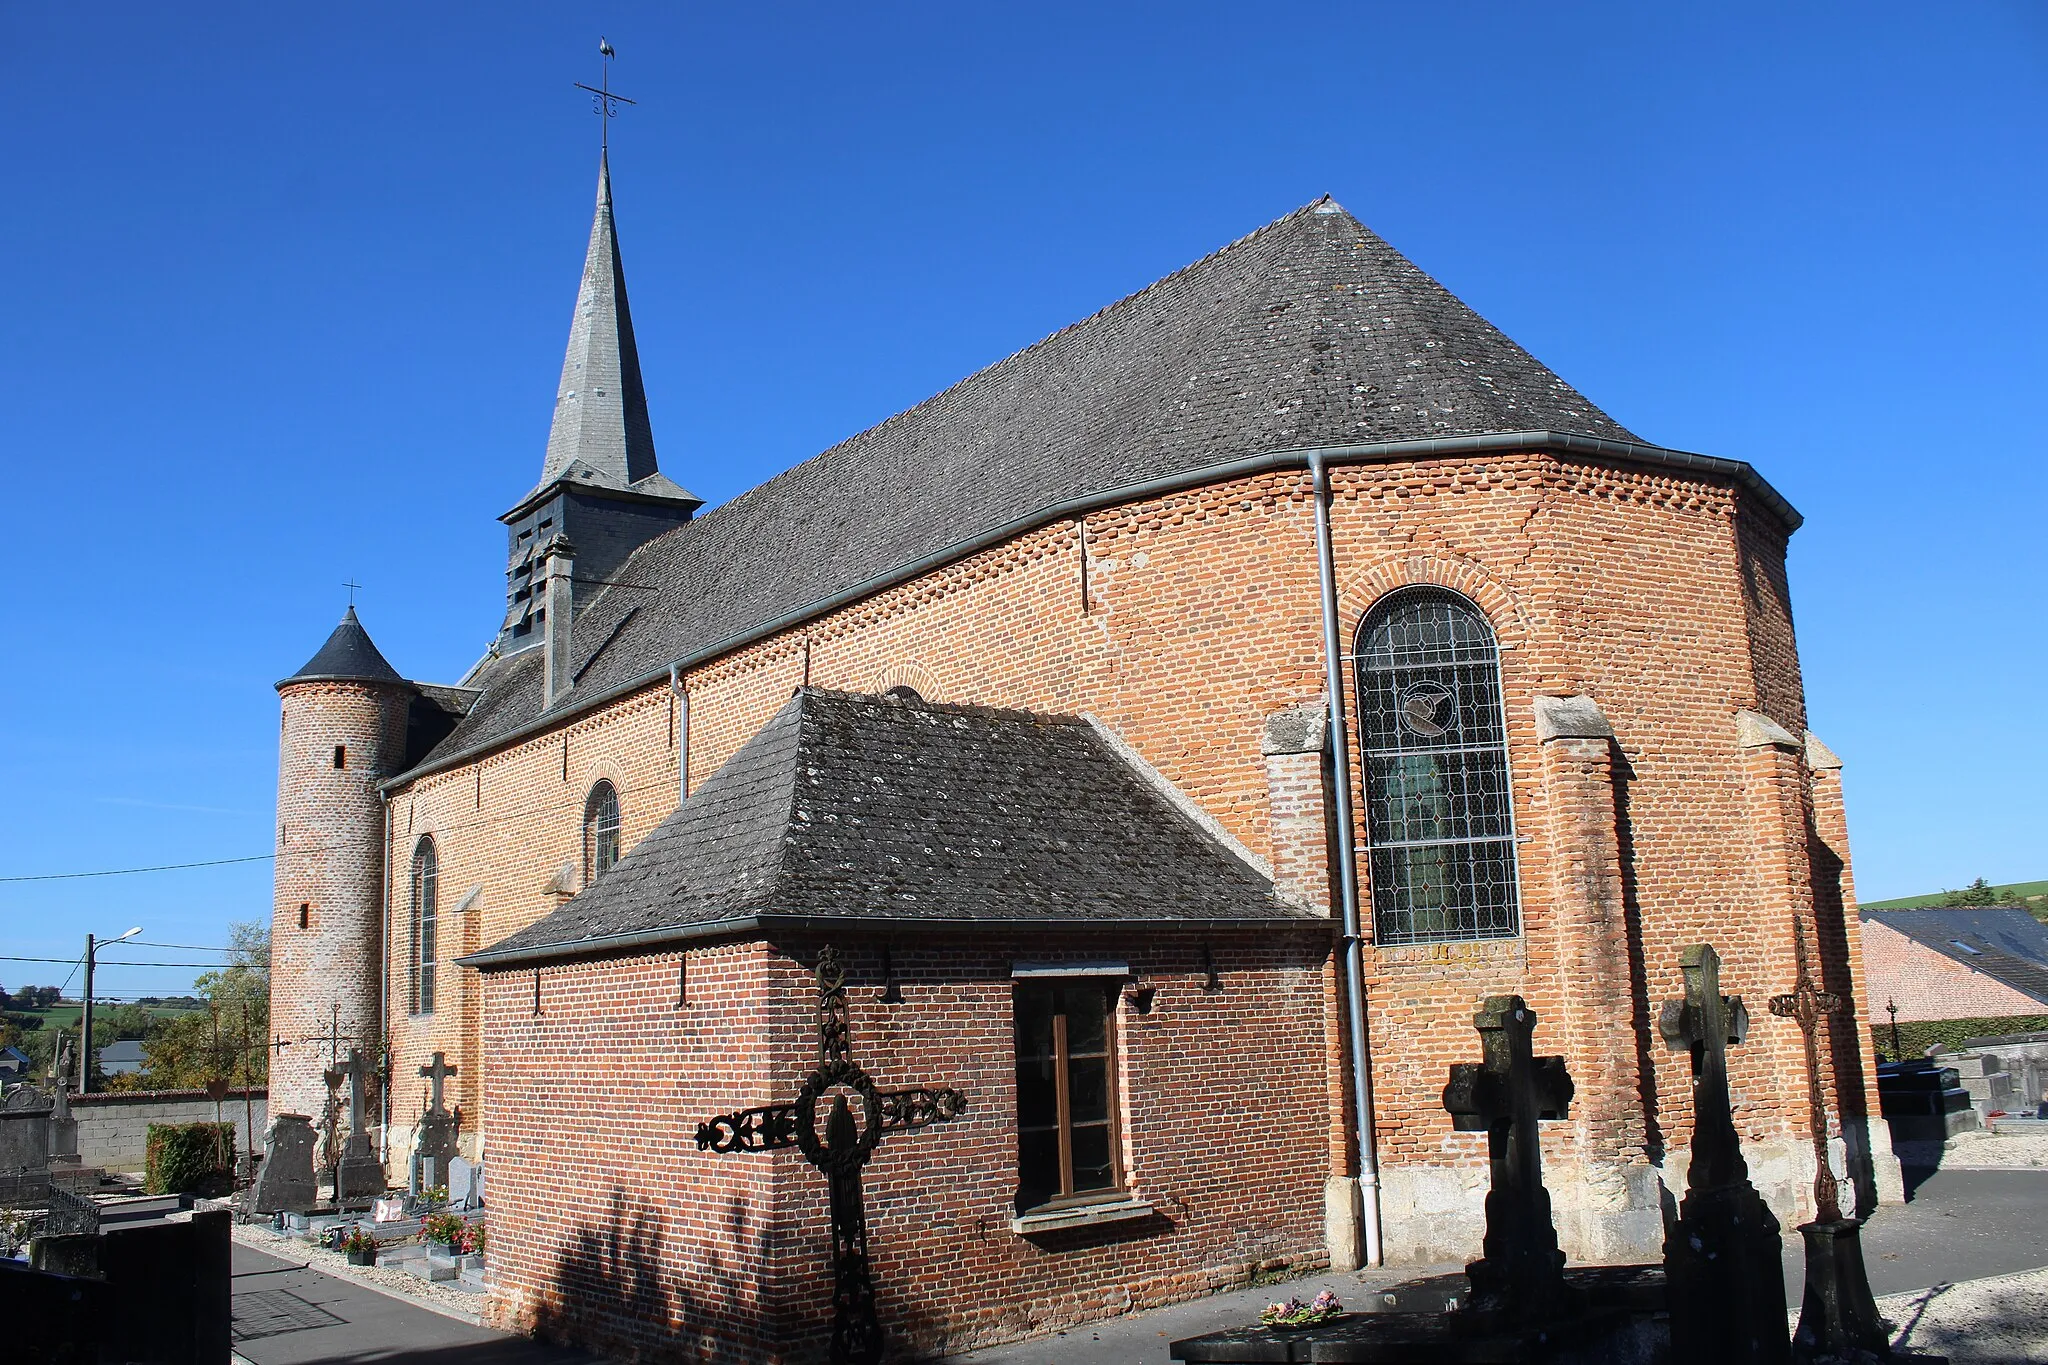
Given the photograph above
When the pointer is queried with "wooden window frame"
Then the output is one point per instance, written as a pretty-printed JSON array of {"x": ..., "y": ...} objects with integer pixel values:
[{"x": 1118, "y": 1190}]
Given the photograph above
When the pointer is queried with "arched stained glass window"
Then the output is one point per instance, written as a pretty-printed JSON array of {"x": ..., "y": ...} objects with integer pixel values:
[
  {"x": 600, "y": 831},
  {"x": 426, "y": 914},
  {"x": 1440, "y": 827}
]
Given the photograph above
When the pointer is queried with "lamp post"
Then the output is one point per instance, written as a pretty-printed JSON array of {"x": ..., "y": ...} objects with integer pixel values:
[{"x": 92, "y": 947}]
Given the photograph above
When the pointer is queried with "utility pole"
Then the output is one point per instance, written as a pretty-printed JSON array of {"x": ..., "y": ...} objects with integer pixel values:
[{"x": 85, "y": 1025}]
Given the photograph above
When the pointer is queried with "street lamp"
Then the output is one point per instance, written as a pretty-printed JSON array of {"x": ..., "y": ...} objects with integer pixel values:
[{"x": 92, "y": 947}]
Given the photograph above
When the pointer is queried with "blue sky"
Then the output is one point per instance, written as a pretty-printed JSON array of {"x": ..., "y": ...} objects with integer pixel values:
[{"x": 283, "y": 292}]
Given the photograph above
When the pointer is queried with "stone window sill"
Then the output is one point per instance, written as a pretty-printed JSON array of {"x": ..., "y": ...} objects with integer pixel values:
[{"x": 1081, "y": 1216}]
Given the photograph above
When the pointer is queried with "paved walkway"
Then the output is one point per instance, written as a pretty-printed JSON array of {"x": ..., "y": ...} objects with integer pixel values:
[{"x": 286, "y": 1314}]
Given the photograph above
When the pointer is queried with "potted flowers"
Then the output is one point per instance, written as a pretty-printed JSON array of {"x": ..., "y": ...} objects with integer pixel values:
[
  {"x": 359, "y": 1246},
  {"x": 441, "y": 1232},
  {"x": 1294, "y": 1315}
]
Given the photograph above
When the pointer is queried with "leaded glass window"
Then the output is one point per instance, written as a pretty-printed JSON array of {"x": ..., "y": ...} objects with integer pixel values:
[
  {"x": 426, "y": 914},
  {"x": 1440, "y": 828},
  {"x": 600, "y": 831},
  {"x": 1067, "y": 1143}
]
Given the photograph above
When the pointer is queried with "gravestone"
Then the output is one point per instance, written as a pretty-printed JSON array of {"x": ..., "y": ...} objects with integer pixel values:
[
  {"x": 25, "y": 1130},
  {"x": 285, "y": 1182},
  {"x": 1520, "y": 1276},
  {"x": 1523, "y": 1305},
  {"x": 1721, "y": 1258},
  {"x": 63, "y": 1127},
  {"x": 360, "y": 1175},
  {"x": 435, "y": 1146},
  {"x": 465, "y": 1183}
]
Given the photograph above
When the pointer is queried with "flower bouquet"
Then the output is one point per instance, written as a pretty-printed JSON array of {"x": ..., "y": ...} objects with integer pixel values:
[
  {"x": 441, "y": 1231},
  {"x": 359, "y": 1246},
  {"x": 1294, "y": 1314}
]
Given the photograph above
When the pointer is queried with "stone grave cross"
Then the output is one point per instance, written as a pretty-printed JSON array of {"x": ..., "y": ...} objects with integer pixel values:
[
  {"x": 360, "y": 1174},
  {"x": 1504, "y": 1096},
  {"x": 438, "y": 1073},
  {"x": 843, "y": 1149},
  {"x": 1722, "y": 1254},
  {"x": 1706, "y": 1024}
]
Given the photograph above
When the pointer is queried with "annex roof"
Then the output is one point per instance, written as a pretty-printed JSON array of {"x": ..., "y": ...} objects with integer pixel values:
[
  {"x": 866, "y": 809},
  {"x": 1310, "y": 332},
  {"x": 348, "y": 656},
  {"x": 2009, "y": 946}
]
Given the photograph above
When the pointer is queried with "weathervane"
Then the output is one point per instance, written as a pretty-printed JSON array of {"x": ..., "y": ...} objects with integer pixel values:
[{"x": 603, "y": 102}]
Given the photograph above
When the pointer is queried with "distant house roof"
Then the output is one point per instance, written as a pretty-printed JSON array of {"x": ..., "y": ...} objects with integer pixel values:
[
  {"x": 12, "y": 1059},
  {"x": 888, "y": 810},
  {"x": 117, "y": 1059},
  {"x": 2009, "y": 946}
]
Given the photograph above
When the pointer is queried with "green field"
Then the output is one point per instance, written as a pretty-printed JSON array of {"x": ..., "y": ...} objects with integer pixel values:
[
  {"x": 66, "y": 1016},
  {"x": 2035, "y": 893}
]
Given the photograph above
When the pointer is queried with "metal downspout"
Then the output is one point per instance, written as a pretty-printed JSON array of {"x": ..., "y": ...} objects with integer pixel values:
[
  {"x": 682, "y": 696},
  {"x": 1347, "y": 871}
]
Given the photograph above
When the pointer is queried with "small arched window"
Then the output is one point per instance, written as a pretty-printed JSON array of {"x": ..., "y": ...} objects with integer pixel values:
[
  {"x": 426, "y": 914},
  {"x": 600, "y": 831},
  {"x": 1432, "y": 737}
]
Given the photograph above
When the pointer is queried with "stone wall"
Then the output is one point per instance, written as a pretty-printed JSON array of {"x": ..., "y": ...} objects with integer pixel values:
[{"x": 113, "y": 1126}]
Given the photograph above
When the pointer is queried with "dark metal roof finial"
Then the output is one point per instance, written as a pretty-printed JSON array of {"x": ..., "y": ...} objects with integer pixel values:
[{"x": 603, "y": 102}]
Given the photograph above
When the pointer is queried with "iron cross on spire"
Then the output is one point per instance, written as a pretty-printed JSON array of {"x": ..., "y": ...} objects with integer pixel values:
[
  {"x": 844, "y": 1147},
  {"x": 603, "y": 102}
]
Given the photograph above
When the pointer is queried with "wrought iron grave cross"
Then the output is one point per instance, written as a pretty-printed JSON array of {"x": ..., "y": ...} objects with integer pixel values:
[
  {"x": 1504, "y": 1096},
  {"x": 439, "y": 1072},
  {"x": 330, "y": 1118},
  {"x": 1807, "y": 1005},
  {"x": 845, "y": 1146},
  {"x": 1707, "y": 1023}
]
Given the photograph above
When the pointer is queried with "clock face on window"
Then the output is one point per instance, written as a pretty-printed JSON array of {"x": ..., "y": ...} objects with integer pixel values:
[{"x": 1426, "y": 708}]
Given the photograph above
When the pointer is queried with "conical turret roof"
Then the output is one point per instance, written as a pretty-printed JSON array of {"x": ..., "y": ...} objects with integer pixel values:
[{"x": 348, "y": 656}]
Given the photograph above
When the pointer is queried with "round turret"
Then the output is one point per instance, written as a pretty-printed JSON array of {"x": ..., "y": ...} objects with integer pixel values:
[{"x": 343, "y": 732}]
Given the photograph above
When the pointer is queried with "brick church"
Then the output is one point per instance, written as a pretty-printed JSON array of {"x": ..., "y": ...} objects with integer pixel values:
[{"x": 1171, "y": 731}]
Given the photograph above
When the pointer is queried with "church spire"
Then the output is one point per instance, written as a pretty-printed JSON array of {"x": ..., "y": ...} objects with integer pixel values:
[{"x": 601, "y": 437}]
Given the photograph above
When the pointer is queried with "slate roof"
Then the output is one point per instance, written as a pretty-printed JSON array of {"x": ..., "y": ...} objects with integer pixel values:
[
  {"x": 600, "y": 436},
  {"x": 348, "y": 656},
  {"x": 1311, "y": 331},
  {"x": 872, "y": 809},
  {"x": 2009, "y": 946}
]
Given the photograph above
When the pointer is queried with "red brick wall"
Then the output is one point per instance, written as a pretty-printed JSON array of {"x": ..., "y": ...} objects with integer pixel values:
[
  {"x": 1661, "y": 597},
  {"x": 609, "y": 1227}
]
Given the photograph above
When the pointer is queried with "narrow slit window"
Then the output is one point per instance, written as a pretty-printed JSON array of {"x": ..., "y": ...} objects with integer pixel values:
[
  {"x": 1440, "y": 831},
  {"x": 426, "y": 889},
  {"x": 600, "y": 831},
  {"x": 1069, "y": 1148},
  {"x": 341, "y": 755},
  {"x": 305, "y": 914}
]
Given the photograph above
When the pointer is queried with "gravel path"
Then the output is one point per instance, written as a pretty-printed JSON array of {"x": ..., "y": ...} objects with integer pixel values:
[{"x": 2000, "y": 1321}]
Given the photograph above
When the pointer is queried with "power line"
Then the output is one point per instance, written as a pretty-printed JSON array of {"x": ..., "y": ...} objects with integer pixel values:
[
  {"x": 567, "y": 802},
  {"x": 192, "y": 947},
  {"x": 130, "y": 871},
  {"x": 61, "y": 960}
]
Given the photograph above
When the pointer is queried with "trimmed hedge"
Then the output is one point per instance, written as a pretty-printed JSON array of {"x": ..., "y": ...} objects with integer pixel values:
[
  {"x": 1916, "y": 1038},
  {"x": 190, "y": 1158}
]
